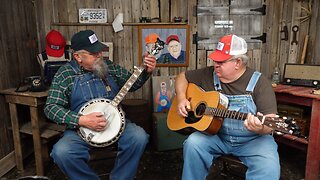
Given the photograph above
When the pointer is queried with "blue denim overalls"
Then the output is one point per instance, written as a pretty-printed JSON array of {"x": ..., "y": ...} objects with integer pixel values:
[
  {"x": 71, "y": 153},
  {"x": 257, "y": 152}
]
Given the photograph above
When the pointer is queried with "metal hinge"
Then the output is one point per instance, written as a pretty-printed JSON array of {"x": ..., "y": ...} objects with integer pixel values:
[
  {"x": 262, "y": 38},
  {"x": 260, "y": 9}
]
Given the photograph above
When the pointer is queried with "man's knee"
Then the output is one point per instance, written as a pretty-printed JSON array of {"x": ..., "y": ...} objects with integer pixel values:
[
  {"x": 60, "y": 152},
  {"x": 140, "y": 137}
]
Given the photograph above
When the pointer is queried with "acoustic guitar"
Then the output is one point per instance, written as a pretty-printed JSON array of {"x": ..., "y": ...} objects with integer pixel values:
[{"x": 208, "y": 110}]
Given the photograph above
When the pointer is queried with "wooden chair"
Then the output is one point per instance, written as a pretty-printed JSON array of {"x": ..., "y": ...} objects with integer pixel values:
[
  {"x": 233, "y": 166},
  {"x": 102, "y": 159}
]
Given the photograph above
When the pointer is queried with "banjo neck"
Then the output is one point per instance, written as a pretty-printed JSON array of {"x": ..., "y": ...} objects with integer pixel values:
[
  {"x": 126, "y": 87},
  {"x": 137, "y": 71}
]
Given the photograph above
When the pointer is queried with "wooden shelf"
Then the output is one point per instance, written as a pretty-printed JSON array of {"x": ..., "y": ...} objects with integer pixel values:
[
  {"x": 292, "y": 141},
  {"x": 48, "y": 130},
  {"x": 110, "y": 24}
]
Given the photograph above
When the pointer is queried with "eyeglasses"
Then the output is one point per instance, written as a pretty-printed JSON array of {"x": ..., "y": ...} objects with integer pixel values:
[
  {"x": 97, "y": 54},
  {"x": 223, "y": 62}
]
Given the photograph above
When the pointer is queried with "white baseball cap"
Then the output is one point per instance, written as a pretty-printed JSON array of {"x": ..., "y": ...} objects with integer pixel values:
[{"x": 227, "y": 47}]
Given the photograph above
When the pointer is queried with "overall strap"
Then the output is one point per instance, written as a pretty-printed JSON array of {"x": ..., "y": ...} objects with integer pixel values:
[
  {"x": 75, "y": 67},
  {"x": 44, "y": 55},
  {"x": 216, "y": 82},
  {"x": 67, "y": 55},
  {"x": 253, "y": 81}
]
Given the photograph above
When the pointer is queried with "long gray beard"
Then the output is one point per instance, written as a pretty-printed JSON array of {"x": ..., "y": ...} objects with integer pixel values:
[{"x": 100, "y": 68}]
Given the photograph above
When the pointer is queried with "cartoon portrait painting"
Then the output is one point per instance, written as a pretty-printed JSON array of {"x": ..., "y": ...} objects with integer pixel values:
[
  {"x": 163, "y": 92},
  {"x": 176, "y": 43}
]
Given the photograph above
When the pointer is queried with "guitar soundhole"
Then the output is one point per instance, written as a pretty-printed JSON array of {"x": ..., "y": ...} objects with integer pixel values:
[
  {"x": 199, "y": 112},
  {"x": 200, "y": 109},
  {"x": 191, "y": 118}
]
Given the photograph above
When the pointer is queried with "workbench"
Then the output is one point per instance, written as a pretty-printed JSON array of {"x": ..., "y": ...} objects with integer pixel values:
[
  {"x": 302, "y": 96},
  {"x": 37, "y": 125}
]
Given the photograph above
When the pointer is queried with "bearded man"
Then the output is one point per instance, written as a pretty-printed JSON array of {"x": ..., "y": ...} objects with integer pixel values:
[{"x": 86, "y": 77}]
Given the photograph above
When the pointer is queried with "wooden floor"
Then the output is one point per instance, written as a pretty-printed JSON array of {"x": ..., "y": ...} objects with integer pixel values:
[{"x": 168, "y": 166}]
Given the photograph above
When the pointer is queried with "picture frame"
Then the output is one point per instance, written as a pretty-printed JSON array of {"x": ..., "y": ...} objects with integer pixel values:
[
  {"x": 163, "y": 91},
  {"x": 167, "y": 33}
]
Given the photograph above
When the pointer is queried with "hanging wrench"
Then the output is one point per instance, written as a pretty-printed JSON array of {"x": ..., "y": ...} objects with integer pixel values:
[{"x": 295, "y": 29}]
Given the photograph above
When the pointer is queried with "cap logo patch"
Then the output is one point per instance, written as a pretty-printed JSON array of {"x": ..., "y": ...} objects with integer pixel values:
[
  {"x": 220, "y": 46},
  {"x": 93, "y": 38},
  {"x": 54, "y": 47}
]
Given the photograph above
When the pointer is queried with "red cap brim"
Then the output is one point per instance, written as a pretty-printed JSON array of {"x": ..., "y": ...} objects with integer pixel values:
[
  {"x": 219, "y": 56},
  {"x": 54, "y": 53}
]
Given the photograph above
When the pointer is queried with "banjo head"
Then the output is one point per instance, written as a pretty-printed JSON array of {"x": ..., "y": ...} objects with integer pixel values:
[{"x": 115, "y": 126}]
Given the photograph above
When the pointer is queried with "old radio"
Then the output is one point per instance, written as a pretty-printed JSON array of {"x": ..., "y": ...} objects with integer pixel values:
[{"x": 301, "y": 75}]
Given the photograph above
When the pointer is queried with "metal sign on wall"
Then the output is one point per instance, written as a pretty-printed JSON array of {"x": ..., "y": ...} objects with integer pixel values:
[{"x": 92, "y": 15}]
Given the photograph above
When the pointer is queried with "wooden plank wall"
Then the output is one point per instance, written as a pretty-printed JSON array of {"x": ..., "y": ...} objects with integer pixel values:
[
  {"x": 277, "y": 52},
  {"x": 18, "y": 44}
]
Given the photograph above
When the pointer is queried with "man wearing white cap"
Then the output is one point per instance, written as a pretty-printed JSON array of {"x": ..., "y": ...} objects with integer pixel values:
[
  {"x": 247, "y": 91},
  {"x": 175, "y": 54}
]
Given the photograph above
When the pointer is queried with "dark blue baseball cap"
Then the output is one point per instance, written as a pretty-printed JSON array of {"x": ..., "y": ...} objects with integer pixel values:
[{"x": 86, "y": 40}]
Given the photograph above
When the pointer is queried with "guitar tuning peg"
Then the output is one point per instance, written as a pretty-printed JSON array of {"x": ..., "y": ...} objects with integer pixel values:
[
  {"x": 295, "y": 129},
  {"x": 288, "y": 120}
]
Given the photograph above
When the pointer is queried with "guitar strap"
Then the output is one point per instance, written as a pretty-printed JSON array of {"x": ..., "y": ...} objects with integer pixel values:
[{"x": 252, "y": 83}]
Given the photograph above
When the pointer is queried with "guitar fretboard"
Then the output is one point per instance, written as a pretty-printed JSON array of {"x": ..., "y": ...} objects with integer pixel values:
[
  {"x": 224, "y": 113},
  {"x": 126, "y": 87}
]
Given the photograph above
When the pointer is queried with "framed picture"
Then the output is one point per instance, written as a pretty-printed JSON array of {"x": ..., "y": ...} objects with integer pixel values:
[
  {"x": 163, "y": 92},
  {"x": 176, "y": 43}
]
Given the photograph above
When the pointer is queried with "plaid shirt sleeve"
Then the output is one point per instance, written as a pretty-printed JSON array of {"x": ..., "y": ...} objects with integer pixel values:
[
  {"x": 57, "y": 107},
  {"x": 122, "y": 75}
]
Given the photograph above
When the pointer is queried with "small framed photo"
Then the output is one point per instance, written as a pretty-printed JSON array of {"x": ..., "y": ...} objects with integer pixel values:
[
  {"x": 176, "y": 43},
  {"x": 163, "y": 92}
]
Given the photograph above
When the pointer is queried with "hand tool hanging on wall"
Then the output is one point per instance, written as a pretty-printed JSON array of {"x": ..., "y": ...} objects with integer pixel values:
[
  {"x": 295, "y": 29},
  {"x": 304, "y": 50},
  {"x": 284, "y": 33}
]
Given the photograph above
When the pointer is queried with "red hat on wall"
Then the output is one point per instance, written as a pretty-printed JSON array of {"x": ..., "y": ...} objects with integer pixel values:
[{"x": 55, "y": 44}]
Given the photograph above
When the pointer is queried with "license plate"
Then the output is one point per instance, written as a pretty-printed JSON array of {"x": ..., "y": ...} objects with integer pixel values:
[{"x": 92, "y": 15}]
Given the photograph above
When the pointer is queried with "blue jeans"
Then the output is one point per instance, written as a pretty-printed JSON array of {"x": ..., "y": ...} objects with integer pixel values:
[
  {"x": 71, "y": 154},
  {"x": 259, "y": 155}
]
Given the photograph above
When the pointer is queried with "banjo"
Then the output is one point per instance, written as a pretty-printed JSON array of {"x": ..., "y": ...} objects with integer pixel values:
[{"x": 113, "y": 113}]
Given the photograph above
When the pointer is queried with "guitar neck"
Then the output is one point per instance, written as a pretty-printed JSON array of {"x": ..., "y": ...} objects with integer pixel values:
[
  {"x": 224, "y": 113},
  {"x": 126, "y": 87}
]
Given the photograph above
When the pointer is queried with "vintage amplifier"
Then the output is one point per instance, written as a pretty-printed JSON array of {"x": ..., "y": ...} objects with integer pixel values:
[{"x": 301, "y": 75}]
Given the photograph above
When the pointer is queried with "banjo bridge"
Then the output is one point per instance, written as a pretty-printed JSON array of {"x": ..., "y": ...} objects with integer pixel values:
[{"x": 90, "y": 136}]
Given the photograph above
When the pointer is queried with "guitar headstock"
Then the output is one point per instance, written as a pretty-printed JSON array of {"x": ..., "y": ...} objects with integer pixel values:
[{"x": 286, "y": 125}]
